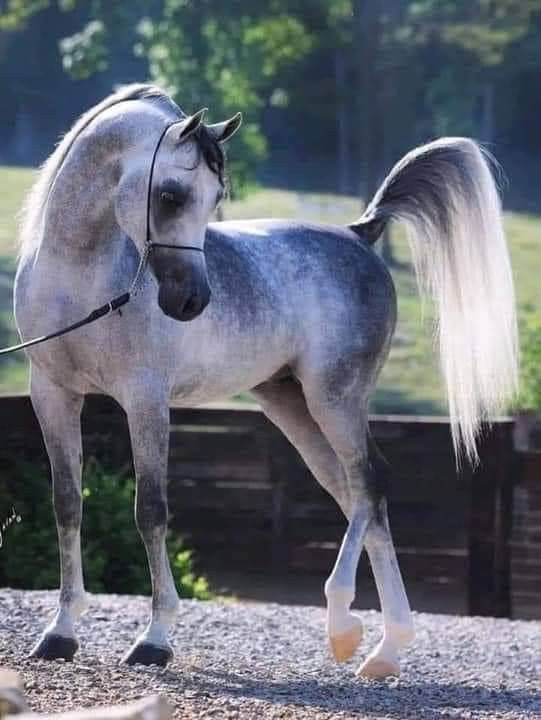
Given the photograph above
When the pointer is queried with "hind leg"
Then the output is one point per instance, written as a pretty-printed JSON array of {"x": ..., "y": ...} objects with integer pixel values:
[
  {"x": 284, "y": 403},
  {"x": 58, "y": 412},
  {"x": 397, "y": 621},
  {"x": 338, "y": 403},
  {"x": 340, "y": 409}
]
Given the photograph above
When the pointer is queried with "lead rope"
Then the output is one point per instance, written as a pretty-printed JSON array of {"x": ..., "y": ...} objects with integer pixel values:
[{"x": 117, "y": 302}]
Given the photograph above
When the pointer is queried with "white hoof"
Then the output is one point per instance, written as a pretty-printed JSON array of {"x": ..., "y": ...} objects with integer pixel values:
[
  {"x": 344, "y": 644},
  {"x": 376, "y": 668}
]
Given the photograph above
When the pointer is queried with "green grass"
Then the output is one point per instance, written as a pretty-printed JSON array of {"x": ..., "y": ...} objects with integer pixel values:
[
  {"x": 410, "y": 381},
  {"x": 14, "y": 182}
]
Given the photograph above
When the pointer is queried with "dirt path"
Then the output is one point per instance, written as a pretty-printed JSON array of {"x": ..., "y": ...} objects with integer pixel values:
[{"x": 271, "y": 661}]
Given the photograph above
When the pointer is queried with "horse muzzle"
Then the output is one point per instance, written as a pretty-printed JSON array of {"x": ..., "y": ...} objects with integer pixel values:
[
  {"x": 183, "y": 301},
  {"x": 183, "y": 292}
]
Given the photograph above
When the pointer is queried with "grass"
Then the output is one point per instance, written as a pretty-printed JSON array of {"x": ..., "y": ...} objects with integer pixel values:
[
  {"x": 14, "y": 182},
  {"x": 410, "y": 381}
]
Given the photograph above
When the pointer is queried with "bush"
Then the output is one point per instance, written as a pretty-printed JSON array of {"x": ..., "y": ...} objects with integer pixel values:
[
  {"x": 114, "y": 558},
  {"x": 530, "y": 380}
]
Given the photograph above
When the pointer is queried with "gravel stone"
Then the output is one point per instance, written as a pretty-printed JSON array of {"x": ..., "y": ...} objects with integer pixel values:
[{"x": 266, "y": 661}]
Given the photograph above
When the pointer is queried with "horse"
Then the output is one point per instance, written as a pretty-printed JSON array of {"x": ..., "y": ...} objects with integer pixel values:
[{"x": 300, "y": 314}]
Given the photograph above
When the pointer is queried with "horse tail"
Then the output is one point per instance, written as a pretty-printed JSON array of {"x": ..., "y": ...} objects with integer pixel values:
[{"x": 446, "y": 194}]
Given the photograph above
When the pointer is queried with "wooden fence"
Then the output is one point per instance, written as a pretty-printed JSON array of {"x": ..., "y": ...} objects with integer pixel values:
[{"x": 243, "y": 497}]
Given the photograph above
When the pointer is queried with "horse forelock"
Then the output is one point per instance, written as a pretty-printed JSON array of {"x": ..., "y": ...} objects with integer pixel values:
[{"x": 212, "y": 152}]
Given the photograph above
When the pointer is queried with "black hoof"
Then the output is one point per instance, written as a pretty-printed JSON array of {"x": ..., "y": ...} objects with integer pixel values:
[
  {"x": 53, "y": 647},
  {"x": 147, "y": 654}
]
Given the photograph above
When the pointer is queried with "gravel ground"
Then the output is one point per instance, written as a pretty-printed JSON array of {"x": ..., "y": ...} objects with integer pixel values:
[{"x": 270, "y": 661}]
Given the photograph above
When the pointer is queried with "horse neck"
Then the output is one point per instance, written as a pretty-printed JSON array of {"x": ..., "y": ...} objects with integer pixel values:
[
  {"x": 79, "y": 230},
  {"x": 79, "y": 216}
]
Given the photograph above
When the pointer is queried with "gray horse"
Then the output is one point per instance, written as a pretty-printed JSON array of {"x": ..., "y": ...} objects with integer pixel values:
[{"x": 302, "y": 315}]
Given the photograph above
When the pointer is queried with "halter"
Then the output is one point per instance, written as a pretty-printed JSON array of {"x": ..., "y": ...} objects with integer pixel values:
[
  {"x": 117, "y": 302},
  {"x": 149, "y": 245}
]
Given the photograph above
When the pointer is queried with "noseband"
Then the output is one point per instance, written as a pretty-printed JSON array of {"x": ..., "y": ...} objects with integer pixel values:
[{"x": 117, "y": 302}]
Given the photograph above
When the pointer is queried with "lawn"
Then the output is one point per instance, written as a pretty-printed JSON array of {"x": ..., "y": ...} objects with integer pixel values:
[{"x": 410, "y": 381}]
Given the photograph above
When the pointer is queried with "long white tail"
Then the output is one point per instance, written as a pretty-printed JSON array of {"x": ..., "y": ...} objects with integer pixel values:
[{"x": 445, "y": 193}]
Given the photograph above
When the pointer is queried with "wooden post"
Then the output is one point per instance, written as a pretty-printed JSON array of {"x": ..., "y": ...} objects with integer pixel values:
[{"x": 490, "y": 524}]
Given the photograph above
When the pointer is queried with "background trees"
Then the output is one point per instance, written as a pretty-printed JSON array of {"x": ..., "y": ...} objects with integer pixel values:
[{"x": 332, "y": 92}]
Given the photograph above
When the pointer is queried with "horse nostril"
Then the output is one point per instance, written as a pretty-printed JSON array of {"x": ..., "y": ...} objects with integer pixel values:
[{"x": 192, "y": 306}]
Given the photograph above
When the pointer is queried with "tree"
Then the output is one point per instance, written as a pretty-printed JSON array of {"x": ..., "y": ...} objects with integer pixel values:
[
  {"x": 385, "y": 94},
  {"x": 482, "y": 31},
  {"x": 210, "y": 53},
  {"x": 206, "y": 53}
]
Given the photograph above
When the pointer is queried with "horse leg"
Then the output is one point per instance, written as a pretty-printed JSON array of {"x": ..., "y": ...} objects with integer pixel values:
[
  {"x": 148, "y": 421},
  {"x": 342, "y": 416},
  {"x": 337, "y": 402},
  {"x": 284, "y": 403},
  {"x": 397, "y": 621},
  {"x": 58, "y": 411}
]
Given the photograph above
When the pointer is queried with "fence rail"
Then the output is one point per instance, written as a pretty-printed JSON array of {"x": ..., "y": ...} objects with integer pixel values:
[{"x": 244, "y": 498}]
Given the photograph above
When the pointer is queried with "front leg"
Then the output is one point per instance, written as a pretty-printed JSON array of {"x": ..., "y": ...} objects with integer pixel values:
[
  {"x": 58, "y": 411},
  {"x": 148, "y": 419}
]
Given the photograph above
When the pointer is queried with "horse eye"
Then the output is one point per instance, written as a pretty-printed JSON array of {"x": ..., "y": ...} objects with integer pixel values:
[{"x": 168, "y": 198}]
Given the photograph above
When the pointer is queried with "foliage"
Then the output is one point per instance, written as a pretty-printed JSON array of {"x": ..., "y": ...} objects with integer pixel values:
[
  {"x": 485, "y": 28},
  {"x": 16, "y": 13},
  {"x": 530, "y": 382},
  {"x": 85, "y": 53},
  {"x": 474, "y": 40},
  {"x": 207, "y": 54},
  {"x": 412, "y": 68},
  {"x": 114, "y": 558}
]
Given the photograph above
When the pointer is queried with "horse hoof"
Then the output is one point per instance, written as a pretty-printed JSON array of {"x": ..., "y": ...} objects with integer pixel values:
[
  {"x": 377, "y": 669},
  {"x": 55, "y": 647},
  {"x": 147, "y": 654},
  {"x": 344, "y": 645}
]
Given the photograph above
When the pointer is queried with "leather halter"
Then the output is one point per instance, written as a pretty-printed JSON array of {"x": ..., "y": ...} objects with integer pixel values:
[{"x": 117, "y": 302}]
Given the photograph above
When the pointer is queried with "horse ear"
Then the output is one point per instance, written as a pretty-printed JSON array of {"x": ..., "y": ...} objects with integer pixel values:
[
  {"x": 224, "y": 130},
  {"x": 190, "y": 124}
]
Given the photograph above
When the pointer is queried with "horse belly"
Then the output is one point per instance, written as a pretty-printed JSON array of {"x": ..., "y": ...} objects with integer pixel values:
[{"x": 218, "y": 365}]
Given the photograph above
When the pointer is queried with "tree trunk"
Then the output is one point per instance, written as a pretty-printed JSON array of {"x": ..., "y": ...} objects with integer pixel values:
[
  {"x": 366, "y": 17},
  {"x": 342, "y": 123},
  {"x": 487, "y": 112}
]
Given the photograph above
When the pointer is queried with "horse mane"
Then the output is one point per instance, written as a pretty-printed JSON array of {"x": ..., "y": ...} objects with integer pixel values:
[{"x": 33, "y": 210}]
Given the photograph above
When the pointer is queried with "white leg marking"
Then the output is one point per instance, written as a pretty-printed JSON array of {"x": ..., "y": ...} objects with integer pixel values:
[
  {"x": 397, "y": 621},
  {"x": 343, "y": 627}
]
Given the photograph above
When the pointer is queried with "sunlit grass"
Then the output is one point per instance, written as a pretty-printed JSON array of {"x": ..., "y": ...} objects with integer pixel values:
[
  {"x": 410, "y": 380},
  {"x": 13, "y": 184}
]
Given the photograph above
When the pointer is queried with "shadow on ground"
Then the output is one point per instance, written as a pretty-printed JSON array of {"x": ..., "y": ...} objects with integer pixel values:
[{"x": 431, "y": 698}]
